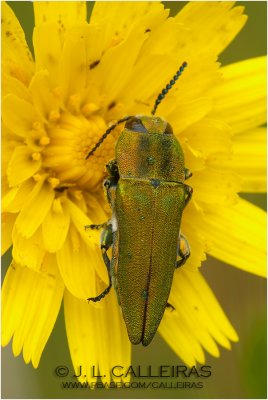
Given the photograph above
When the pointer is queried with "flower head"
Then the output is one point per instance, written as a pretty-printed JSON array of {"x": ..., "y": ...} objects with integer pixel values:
[{"x": 55, "y": 109}]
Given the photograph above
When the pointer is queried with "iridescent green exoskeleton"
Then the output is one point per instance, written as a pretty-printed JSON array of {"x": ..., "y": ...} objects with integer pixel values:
[{"x": 147, "y": 193}]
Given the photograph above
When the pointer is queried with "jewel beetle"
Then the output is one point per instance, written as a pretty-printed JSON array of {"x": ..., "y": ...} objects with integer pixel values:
[{"x": 147, "y": 193}]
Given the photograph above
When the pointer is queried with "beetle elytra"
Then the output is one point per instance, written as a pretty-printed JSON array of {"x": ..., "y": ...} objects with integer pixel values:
[{"x": 147, "y": 193}]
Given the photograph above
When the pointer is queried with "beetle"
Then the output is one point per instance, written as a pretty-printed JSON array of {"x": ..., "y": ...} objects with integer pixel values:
[{"x": 147, "y": 193}]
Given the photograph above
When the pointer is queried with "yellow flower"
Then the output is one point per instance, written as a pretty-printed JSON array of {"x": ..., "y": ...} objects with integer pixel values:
[{"x": 55, "y": 109}]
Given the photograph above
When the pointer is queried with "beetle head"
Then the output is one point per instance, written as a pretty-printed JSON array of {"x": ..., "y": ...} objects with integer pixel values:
[{"x": 148, "y": 124}]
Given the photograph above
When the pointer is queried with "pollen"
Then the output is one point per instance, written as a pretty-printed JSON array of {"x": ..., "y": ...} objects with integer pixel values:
[
  {"x": 54, "y": 181},
  {"x": 74, "y": 103},
  {"x": 89, "y": 109},
  {"x": 37, "y": 126},
  {"x": 37, "y": 177},
  {"x": 44, "y": 141},
  {"x": 36, "y": 156},
  {"x": 69, "y": 142},
  {"x": 54, "y": 116}
]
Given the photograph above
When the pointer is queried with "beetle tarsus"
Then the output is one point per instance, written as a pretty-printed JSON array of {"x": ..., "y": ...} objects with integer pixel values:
[
  {"x": 187, "y": 173},
  {"x": 106, "y": 243},
  {"x": 188, "y": 194},
  {"x": 170, "y": 306},
  {"x": 183, "y": 251},
  {"x": 93, "y": 226},
  {"x": 100, "y": 296}
]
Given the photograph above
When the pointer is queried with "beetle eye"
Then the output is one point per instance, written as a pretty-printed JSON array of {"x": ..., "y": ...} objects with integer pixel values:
[
  {"x": 168, "y": 130},
  {"x": 135, "y": 125}
]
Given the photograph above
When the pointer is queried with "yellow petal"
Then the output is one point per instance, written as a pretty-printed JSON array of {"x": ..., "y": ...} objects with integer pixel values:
[
  {"x": 35, "y": 209},
  {"x": 197, "y": 322},
  {"x": 208, "y": 136},
  {"x": 97, "y": 334},
  {"x": 8, "y": 199},
  {"x": 21, "y": 121},
  {"x": 44, "y": 99},
  {"x": 73, "y": 68},
  {"x": 64, "y": 13},
  {"x": 16, "y": 197},
  {"x": 52, "y": 20},
  {"x": 17, "y": 59},
  {"x": 78, "y": 263},
  {"x": 8, "y": 221},
  {"x": 81, "y": 219},
  {"x": 215, "y": 187},
  {"x": 90, "y": 237},
  {"x": 49, "y": 296},
  {"x": 158, "y": 69},
  {"x": 28, "y": 252},
  {"x": 189, "y": 114},
  {"x": 24, "y": 163},
  {"x": 241, "y": 99},
  {"x": 164, "y": 39},
  {"x": 201, "y": 294},
  {"x": 194, "y": 236},
  {"x": 55, "y": 226},
  {"x": 93, "y": 36},
  {"x": 9, "y": 142},
  {"x": 47, "y": 50},
  {"x": 211, "y": 25},
  {"x": 14, "y": 86},
  {"x": 237, "y": 236},
  {"x": 248, "y": 160},
  {"x": 12, "y": 285},
  {"x": 5, "y": 186},
  {"x": 31, "y": 303},
  {"x": 194, "y": 159},
  {"x": 146, "y": 14},
  {"x": 180, "y": 338},
  {"x": 110, "y": 82}
]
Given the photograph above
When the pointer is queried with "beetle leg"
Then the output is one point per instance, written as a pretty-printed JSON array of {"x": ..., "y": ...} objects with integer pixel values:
[
  {"x": 188, "y": 194},
  {"x": 112, "y": 169},
  {"x": 106, "y": 243},
  {"x": 183, "y": 250},
  {"x": 98, "y": 226},
  {"x": 170, "y": 306},
  {"x": 187, "y": 173},
  {"x": 107, "y": 234},
  {"x": 110, "y": 182}
]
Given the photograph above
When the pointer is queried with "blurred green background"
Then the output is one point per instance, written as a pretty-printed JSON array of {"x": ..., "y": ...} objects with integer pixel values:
[{"x": 240, "y": 373}]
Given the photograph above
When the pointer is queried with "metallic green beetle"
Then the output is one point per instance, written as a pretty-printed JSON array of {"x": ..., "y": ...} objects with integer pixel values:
[{"x": 146, "y": 190}]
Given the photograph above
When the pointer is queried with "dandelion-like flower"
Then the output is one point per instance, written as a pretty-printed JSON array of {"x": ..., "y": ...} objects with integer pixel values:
[{"x": 54, "y": 110}]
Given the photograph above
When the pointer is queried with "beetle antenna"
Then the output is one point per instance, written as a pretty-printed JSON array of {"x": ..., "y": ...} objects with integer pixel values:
[
  {"x": 169, "y": 86},
  {"x": 104, "y": 136}
]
